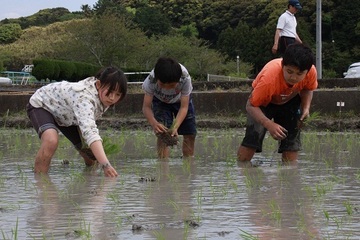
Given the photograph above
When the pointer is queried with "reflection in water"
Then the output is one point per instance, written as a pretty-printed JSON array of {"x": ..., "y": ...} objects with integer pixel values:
[
  {"x": 281, "y": 209},
  {"x": 71, "y": 210},
  {"x": 318, "y": 198},
  {"x": 169, "y": 199}
]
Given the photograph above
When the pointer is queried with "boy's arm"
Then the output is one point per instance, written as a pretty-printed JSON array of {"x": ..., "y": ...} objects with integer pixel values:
[
  {"x": 98, "y": 151},
  {"x": 276, "y": 131},
  {"x": 149, "y": 115},
  {"x": 184, "y": 105},
  {"x": 306, "y": 98}
]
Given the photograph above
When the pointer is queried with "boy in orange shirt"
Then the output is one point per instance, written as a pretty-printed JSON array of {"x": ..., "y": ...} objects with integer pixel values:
[{"x": 281, "y": 97}]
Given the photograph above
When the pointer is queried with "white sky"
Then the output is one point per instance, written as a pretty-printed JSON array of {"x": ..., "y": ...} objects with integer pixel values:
[{"x": 24, "y": 8}]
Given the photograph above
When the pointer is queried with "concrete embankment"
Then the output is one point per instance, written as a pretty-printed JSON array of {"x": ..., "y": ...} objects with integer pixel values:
[{"x": 221, "y": 99}]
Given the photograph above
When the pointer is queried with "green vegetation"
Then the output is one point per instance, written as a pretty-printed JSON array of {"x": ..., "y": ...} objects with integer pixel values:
[{"x": 204, "y": 35}]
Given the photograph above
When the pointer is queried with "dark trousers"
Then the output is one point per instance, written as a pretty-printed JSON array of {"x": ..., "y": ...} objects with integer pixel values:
[{"x": 284, "y": 42}]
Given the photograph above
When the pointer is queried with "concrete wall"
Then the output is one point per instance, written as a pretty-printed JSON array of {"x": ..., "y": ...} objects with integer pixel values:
[{"x": 324, "y": 101}]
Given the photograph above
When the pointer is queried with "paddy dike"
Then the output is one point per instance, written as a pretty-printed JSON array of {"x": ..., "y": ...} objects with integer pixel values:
[{"x": 217, "y": 104}]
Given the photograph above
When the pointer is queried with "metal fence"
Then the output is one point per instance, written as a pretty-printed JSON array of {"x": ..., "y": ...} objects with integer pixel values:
[{"x": 213, "y": 78}]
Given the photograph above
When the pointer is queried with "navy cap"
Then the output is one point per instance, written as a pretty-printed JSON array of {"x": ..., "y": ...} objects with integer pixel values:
[{"x": 295, "y": 3}]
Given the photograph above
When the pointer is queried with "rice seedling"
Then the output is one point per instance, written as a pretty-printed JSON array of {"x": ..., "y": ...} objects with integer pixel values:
[
  {"x": 114, "y": 197},
  {"x": 14, "y": 232},
  {"x": 247, "y": 236},
  {"x": 83, "y": 232},
  {"x": 326, "y": 214},
  {"x": 254, "y": 178},
  {"x": 5, "y": 117},
  {"x": 159, "y": 235},
  {"x": 275, "y": 211},
  {"x": 333, "y": 179},
  {"x": 173, "y": 204},
  {"x": 357, "y": 175},
  {"x": 231, "y": 161},
  {"x": 199, "y": 202},
  {"x": 77, "y": 177},
  {"x": 2, "y": 181},
  {"x": 186, "y": 231},
  {"x": 109, "y": 147},
  {"x": 231, "y": 179},
  {"x": 349, "y": 207},
  {"x": 187, "y": 165},
  {"x": 320, "y": 190}
]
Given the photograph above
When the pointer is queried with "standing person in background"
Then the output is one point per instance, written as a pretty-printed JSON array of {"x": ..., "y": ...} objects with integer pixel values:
[
  {"x": 72, "y": 109},
  {"x": 168, "y": 106},
  {"x": 285, "y": 33},
  {"x": 282, "y": 91}
]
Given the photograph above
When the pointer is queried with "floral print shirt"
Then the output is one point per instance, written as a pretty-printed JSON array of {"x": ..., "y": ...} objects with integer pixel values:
[{"x": 72, "y": 104}]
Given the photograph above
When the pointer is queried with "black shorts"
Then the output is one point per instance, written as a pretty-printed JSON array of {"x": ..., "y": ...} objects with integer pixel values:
[
  {"x": 165, "y": 114},
  {"x": 286, "y": 115},
  {"x": 43, "y": 120}
]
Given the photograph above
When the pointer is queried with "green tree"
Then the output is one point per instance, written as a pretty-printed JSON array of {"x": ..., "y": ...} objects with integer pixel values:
[
  {"x": 193, "y": 53},
  {"x": 112, "y": 7},
  {"x": 180, "y": 12},
  {"x": 247, "y": 43},
  {"x": 152, "y": 21},
  {"x": 105, "y": 40},
  {"x": 9, "y": 33},
  {"x": 87, "y": 10},
  {"x": 34, "y": 43}
]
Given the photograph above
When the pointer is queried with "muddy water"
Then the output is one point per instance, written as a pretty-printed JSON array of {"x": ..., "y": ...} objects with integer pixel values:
[{"x": 209, "y": 197}]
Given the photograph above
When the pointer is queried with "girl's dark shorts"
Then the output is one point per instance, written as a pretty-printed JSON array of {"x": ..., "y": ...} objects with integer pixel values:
[
  {"x": 43, "y": 120},
  {"x": 165, "y": 113},
  {"x": 286, "y": 115}
]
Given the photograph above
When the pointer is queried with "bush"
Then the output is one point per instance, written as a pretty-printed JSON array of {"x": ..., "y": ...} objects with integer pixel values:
[
  {"x": 67, "y": 70},
  {"x": 62, "y": 70},
  {"x": 43, "y": 69}
]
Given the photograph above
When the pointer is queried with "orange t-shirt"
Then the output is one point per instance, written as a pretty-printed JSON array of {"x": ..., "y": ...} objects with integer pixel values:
[{"x": 270, "y": 86}]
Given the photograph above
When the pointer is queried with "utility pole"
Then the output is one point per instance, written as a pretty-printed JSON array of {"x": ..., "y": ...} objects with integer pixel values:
[
  {"x": 238, "y": 65},
  {"x": 318, "y": 40}
]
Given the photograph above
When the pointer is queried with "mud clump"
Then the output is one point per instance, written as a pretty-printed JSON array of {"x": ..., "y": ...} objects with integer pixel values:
[{"x": 166, "y": 138}]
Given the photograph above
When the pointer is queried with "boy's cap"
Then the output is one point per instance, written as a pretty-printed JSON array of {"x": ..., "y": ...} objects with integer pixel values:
[{"x": 295, "y": 3}]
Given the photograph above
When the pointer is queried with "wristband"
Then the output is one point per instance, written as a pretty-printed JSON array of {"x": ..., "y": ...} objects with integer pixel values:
[{"x": 106, "y": 165}]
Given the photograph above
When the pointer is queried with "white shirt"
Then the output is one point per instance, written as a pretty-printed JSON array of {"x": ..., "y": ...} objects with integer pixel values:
[
  {"x": 72, "y": 104},
  {"x": 183, "y": 88},
  {"x": 287, "y": 23}
]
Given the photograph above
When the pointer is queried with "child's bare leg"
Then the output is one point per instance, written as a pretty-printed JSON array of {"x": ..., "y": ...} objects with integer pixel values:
[
  {"x": 49, "y": 144},
  {"x": 188, "y": 147},
  {"x": 162, "y": 149},
  {"x": 88, "y": 156},
  {"x": 289, "y": 156},
  {"x": 245, "y": 153}
]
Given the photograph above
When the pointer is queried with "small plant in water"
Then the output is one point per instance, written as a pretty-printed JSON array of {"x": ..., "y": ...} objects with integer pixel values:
[
  {"x": 14, "y": 232},
  {"x": 357, "y": 175},
  {"x": 247, "y": 236},
  {"x": 159, "y": 235},
  {"x": 349, "y": 207},
  {"x": 327, "y": 215},
  {"x": 83, "y": 232},
  {"x": 275, "y": 213},
  {"x": 110, "y": 148}
]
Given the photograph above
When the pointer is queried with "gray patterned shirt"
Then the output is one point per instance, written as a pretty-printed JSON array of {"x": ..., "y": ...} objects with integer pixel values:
[
  {"x": 183, "y": 88},
  {"x": 72, "y": 104}
]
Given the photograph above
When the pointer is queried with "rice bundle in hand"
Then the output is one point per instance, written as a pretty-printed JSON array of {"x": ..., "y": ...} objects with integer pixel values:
[{"x": 167, "y": 138}]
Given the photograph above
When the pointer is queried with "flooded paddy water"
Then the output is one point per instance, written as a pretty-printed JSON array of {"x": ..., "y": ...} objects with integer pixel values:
[{"x": 209, "y": 197}]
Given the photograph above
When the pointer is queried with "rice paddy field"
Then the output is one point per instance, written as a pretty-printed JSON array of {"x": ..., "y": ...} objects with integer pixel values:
[{"x": 209, "y": 197}]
